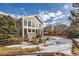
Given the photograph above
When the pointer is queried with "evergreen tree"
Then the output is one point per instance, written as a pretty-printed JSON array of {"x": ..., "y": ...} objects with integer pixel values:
[
  {"x": 8, "y": 27},
  {"x": 74, "y": 18}
]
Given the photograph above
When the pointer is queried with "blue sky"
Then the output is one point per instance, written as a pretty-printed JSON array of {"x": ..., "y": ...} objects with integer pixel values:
[{"x": 49, "y": 13}]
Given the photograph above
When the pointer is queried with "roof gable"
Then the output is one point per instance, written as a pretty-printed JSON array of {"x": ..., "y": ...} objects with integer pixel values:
[{"x": 35, "y": 17}]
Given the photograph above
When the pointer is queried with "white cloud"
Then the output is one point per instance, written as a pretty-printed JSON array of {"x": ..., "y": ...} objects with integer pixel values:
[
  {"x": 59, "y": 17},
  {"x": 53, "y": 21},
  {"x": 44, "y": 24},
  {"x": 43, "y": 15},
  {"x": 66, "y": 7},
  {"x": 68, "y": 15},
  {"x": 59, "y": 13},
  {"x": 52, "y": 14},
  {"x": 55, "y": 15},
  {"x": 46, "y": 17}
]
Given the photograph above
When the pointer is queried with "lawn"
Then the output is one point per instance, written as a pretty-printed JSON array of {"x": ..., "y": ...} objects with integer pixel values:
[{"x": 4, "y": 51}]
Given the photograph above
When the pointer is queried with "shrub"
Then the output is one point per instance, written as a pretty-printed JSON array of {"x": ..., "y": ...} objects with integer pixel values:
[
  {"x": 9, "y": 39},
  {"x": 73, "y": 34},
  {"x": 17, "y": 40},
  {"x": 4, "y": 36},
  {"x": 8, "y": 30}
]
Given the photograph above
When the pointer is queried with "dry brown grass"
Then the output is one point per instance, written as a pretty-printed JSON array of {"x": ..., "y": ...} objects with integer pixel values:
[
  {"x": 75, "y": 51},
  {"x": 4, "y": 51}
]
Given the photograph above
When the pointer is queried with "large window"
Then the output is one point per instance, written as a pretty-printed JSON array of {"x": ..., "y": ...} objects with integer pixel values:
[
  {"x": 33, "y": 24},
  {"x": 33, "y": 30},
  {"x": 25, "y": 31},
  {"x": 36, "y": 31},
  {"x": 29, "y": 30},
  {"x": 25, "y": 22},
  {"x": 29, "y": 23}
]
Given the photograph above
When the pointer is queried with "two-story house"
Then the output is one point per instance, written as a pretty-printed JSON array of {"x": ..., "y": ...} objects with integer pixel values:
[{"x": 30, "y": 25}]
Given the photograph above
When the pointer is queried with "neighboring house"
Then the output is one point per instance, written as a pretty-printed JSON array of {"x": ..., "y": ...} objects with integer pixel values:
[
  {"x": 49, "y": 28},
  {"x": 30, "y": 25},
  {"x": 60, "y": 28},
  {"x": 55, "y": 29}
]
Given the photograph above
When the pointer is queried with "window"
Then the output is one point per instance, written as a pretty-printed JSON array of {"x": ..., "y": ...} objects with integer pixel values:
[
  {"x": 29, "y": 30},
  {"x": 19, "y": 23},
  {"x": 25, "y": 31},
  {"x": 33, "y": 30},
  {"x": 36, "y": 31},
  {"x": 20, "y": 32},
  {"x": 25, "y": 22},
  {"x": 29, "y": 23},
  {"x": 33, "y": 25}
]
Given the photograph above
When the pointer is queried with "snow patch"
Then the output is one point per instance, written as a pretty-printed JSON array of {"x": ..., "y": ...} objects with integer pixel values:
[{"x": 62, "y": 45}]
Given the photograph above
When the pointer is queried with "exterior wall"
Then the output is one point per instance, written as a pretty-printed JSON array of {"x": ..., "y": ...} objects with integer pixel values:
[{"x": 36, "y": 27}]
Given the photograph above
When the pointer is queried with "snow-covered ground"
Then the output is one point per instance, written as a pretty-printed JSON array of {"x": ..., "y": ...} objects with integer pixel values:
[
  {"x": 58, "y": 45},
  {"x": 54, "y": 44},
  {"x": 76, "y": 39}
]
